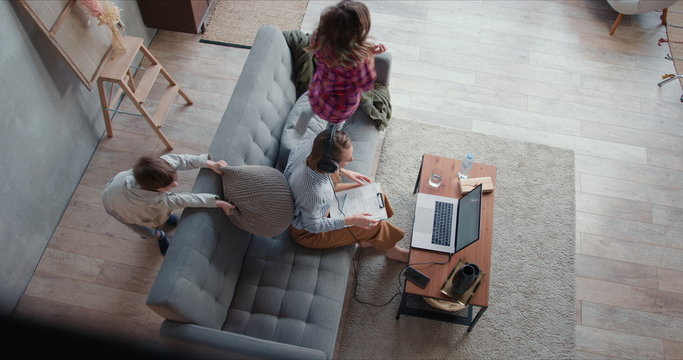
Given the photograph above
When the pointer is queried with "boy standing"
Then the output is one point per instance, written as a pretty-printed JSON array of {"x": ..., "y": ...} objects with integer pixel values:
[{"x": 141, "y": 197}]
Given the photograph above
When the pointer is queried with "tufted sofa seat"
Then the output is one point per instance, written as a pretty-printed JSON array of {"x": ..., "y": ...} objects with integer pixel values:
[{"x": 223, "y": 290}]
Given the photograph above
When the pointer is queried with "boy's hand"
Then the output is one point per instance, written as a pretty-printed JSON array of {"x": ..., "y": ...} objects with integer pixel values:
[
  {"x": 227, "y": 207},
  {"x": 216, "y": 165}
]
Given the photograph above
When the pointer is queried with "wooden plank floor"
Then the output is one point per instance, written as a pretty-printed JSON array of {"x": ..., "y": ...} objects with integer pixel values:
[
  {"x": 538, "y": 71},
  {"x": 95, "y": 274}
]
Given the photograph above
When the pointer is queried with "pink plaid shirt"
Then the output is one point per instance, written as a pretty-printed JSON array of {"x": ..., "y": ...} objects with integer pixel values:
[{"x": 334, "y": 93}]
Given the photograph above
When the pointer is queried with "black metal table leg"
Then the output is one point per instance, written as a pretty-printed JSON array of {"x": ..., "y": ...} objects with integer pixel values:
[
  {"x": 476, "y": 318},
  {"x": 417, "y": 181},
  {"x": 401, "y": 306}
]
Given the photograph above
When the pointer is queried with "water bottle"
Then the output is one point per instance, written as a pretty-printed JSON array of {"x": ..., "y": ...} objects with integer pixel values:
[{"x": 466, "y": 166}]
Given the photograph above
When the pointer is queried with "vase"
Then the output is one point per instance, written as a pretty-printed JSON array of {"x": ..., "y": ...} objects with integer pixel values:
[
  {"x": 117, "y": 42},
  {"x": 464, "y": 278}
]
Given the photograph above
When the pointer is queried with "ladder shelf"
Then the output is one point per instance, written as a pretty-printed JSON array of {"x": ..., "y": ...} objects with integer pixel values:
[{"x": 117, "y": 72}]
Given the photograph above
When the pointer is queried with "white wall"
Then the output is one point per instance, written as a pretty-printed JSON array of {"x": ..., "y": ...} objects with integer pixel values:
[{"x": 50, "y": 125}]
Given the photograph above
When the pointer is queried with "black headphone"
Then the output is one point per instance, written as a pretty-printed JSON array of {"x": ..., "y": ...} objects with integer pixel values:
[{"x": 327, "y": 164}]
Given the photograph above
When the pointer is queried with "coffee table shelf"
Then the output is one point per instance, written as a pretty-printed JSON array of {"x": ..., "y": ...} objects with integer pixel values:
[{"x": 438, "y": 266}]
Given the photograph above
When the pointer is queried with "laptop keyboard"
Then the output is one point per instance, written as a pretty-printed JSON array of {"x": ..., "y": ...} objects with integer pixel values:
[{"x": 443, "y": 219}]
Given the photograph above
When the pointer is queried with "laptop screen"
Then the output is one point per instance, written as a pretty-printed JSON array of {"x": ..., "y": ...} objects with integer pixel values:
[{"x": 469, "y": 217}]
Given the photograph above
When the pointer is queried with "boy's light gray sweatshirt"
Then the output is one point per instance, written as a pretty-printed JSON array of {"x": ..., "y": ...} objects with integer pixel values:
[{"x": 132, "y": 204}]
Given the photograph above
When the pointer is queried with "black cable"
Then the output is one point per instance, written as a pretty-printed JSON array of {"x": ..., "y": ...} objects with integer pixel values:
[
  {"x": 355, "y": 271},
  {"x": 399, "y": 289}
]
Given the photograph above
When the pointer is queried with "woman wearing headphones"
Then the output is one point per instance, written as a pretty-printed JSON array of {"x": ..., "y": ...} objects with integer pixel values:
[{"x": 314, "y": 173}]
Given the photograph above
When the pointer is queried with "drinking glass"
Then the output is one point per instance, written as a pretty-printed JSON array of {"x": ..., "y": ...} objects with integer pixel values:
[{"x": 435, "y": 178}]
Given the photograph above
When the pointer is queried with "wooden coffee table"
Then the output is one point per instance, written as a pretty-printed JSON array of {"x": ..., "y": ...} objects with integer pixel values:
[{"x": 437, "y": 265}]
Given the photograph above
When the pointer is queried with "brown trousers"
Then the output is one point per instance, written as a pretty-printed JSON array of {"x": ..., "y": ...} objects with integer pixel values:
[{"x": 383, "y": 236}]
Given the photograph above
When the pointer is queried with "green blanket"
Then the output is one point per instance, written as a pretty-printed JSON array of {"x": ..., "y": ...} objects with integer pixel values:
[{"x": 376, "y": 103}]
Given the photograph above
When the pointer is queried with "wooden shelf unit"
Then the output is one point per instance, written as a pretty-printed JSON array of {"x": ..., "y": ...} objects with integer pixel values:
[
  {"x": 188, "y": 16},
  {"x": 117, "y": 72}
]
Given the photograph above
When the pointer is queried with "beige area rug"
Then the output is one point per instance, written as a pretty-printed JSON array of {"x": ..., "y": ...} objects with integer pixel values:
[
  {"x": 235, "y": 22},
  {"x": 531, "y": 312},
  {"x": 674, "y": 30}
]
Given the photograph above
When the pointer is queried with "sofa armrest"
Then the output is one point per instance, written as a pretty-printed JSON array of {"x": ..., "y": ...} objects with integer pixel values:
[
  {"x": 233, "y": 345},
  {"x": 383, "y": 67}
]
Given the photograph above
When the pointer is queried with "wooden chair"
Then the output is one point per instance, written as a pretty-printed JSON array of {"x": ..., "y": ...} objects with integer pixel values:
[{"x": 633, "y": 7}]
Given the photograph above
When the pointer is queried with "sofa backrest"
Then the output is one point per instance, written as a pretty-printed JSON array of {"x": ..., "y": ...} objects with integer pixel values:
[
  {"x": 196, "y": 281},
  {"x": 249, "y": 133}
]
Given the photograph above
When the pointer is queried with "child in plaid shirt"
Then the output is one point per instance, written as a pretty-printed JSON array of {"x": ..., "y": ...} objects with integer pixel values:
[{"x": 345, "y": 62}]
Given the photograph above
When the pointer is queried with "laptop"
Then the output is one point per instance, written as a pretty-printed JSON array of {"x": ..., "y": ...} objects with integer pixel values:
[{"x": 446, "y": 224}]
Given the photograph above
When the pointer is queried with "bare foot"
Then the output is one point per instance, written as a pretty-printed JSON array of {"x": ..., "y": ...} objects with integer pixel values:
[{"x": 398, "y": 254}]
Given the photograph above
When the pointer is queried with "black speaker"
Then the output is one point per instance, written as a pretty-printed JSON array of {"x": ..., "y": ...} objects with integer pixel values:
[{"x": 327, "y": 164}]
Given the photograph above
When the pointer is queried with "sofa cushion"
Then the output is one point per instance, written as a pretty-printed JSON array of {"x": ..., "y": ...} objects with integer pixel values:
[
  {"x": 300, "y": 124},
  {"x": 262, "y": 197},
  {"x": 291, "y": 294},
  {"x": 197, "y": 279},
  {"x": 367, "y": 143}
]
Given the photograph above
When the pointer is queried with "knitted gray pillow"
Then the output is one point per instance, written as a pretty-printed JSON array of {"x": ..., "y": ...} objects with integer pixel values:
[{"x": 262, "y": 197}]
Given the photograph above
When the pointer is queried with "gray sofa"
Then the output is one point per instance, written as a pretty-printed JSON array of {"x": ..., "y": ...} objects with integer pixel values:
[{"x": 240, "y": 295}]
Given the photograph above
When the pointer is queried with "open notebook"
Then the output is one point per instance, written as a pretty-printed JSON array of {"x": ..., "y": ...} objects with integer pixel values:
[{"x": 366, "y": 198}]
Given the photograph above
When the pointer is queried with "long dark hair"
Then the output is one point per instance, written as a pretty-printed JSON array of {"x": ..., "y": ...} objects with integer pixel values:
[
  {"x": 342, "y": 34},
  {"x": 340, "y": 142}
]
